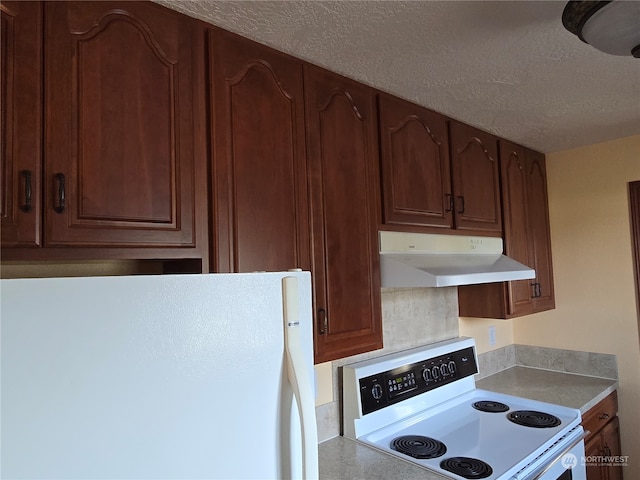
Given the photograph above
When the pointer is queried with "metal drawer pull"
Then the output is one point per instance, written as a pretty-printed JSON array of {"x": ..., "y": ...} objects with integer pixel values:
[
  {"x": 604, "y": 416},
  {"x": 562, "y": 454},
  {"x": 59, "y": 208},
  {"x": 26, "y": 206}
]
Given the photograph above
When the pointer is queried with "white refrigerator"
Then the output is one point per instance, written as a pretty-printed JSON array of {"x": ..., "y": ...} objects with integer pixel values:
[{"x": 158, "y": 377}]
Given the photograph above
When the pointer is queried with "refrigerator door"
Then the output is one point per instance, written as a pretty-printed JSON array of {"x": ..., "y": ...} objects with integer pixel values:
[{"x": 151, "y": 377}]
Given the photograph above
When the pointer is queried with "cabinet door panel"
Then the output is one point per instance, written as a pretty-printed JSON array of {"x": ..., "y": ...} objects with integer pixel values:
[
  {"x": 516, "y": 232},
  {"x": 539, "y": 228},
  {"x": 342, "y": 156},
  {"x": 119, "y": 125},
  {"x": 21, "y": 117},
  {"x": 416, "y": 178},
  {"x": 611, "y": 446},
  {"x": 476, "y": 182},
  {"x": 261, "y": 220},
  {"x": 594, "y": 448}
]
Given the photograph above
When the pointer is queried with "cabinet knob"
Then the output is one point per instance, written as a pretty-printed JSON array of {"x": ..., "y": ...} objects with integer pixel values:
[{"x": 604, "y": 416}]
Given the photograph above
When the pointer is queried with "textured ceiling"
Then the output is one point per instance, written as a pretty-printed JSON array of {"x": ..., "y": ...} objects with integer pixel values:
[{"x": 507, "y": 67}]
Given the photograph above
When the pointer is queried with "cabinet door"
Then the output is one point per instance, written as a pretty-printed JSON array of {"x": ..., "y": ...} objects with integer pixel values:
[
  {"x": 513, "y": 174},
  {"x": 416, "y": 179},
  {"x": 261, "y": 218},
  {"x": 593, "y": 448},
  {"x": 539, "y": 230},
  {"x": 611, "y": 447},
  {"x": 342, "y": 141},
  {"x": 21, "y": 118},
  {"x": 605, "y": 443},
  {"x": 119, "y": 166},
  {"x": 476, "y": 179}
]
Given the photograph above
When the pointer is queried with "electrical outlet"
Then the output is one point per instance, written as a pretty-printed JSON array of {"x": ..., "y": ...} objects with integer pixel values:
[{"x": 492, "y": 335}]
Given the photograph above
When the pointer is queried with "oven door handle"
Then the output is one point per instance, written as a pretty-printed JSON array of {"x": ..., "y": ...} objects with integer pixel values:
[{"x": 562, "y": 454}]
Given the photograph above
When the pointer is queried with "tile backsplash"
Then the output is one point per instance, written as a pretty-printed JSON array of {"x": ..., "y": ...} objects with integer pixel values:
[
  {"x": 410, "y": 317},
  {"x": 568, "y": 361}
]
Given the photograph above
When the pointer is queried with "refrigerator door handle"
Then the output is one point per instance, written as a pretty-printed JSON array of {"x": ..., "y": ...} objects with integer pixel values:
[{"x": 299, "y": 378}]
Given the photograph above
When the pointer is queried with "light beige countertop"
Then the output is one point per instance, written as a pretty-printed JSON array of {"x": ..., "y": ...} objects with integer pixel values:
[
  {"x": 344, "y": 459},
  {"x": 568, "y": 389}
]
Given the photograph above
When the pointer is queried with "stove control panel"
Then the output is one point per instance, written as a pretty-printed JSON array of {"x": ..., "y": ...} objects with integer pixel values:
[{"x": 386, "y": 388}]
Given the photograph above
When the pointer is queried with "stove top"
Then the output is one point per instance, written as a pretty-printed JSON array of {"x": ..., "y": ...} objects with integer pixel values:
[
  {"x": 489, "y": 437},
  {"x": 422, "y": 406}
]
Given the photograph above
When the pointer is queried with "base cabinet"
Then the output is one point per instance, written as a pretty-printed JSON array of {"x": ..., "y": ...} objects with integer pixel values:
[{"x": 603, "y": 443}]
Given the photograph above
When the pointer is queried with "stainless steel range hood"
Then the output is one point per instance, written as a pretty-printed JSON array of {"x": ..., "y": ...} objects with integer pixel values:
[{"x": 427, "y": 260}]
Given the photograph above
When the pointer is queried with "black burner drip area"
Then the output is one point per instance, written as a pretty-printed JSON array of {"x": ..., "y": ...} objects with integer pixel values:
[
  {"x": 467, "y": 467},
  {"x": 531, "y": 418},
  {"x": 490, "y": 406},
  {"x": 418, "y": 446}
]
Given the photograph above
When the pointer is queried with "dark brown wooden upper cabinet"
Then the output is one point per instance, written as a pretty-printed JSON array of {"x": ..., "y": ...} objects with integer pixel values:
[
  {"x": 21, "y": 117},
  {"x": 416, "y": 178},
  {"x": 119, "y": 125},
  {"x": 476, "y": 179},
  {"x": 526, "y": 239},
  {"x": 341, "y": 125},
  {"x": 260, "y": 207},
  {"x": 515, "y": 205},
  {"x": 540, "y": 235}
]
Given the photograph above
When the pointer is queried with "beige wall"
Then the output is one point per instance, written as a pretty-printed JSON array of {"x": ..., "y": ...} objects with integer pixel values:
[
  {"x": 478, "y": 328},
  {"x": 592, "y": 259}
]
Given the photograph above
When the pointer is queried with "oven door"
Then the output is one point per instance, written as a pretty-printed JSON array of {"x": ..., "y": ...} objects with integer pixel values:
[{"x": 563, "y": 461}]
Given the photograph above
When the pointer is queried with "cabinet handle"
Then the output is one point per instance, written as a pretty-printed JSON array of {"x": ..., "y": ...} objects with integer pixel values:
[
  {"x": 448, "y": 200},
  {"x": 604, "y": 416},
  {"x": 537, "y": 290},
  {"x": 59, "y": 208},
  {"x": 323, "y": 321},
  {"x": 26, "y": 206},
  {"x": 461, "y": 198}
]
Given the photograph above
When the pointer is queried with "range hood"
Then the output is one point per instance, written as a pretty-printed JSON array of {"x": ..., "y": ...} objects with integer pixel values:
[{"x": 434, "y": 260}]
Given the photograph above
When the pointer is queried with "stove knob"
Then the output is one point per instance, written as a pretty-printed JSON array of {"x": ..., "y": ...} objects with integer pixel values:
[
  {"x": 443, "y": 369},
  {"x": 426, "y": 374},
  {"x": 435, "y": 371},
  {"x": 376, "y": 391},
  {"x": 452, "y": 367}
]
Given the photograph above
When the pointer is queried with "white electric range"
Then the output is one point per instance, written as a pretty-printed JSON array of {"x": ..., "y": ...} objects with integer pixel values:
[{"x": 421, "y": 405}]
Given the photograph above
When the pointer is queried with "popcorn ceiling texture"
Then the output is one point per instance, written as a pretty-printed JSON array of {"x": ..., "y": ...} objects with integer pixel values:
[{"x": 507, "y": 67}]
